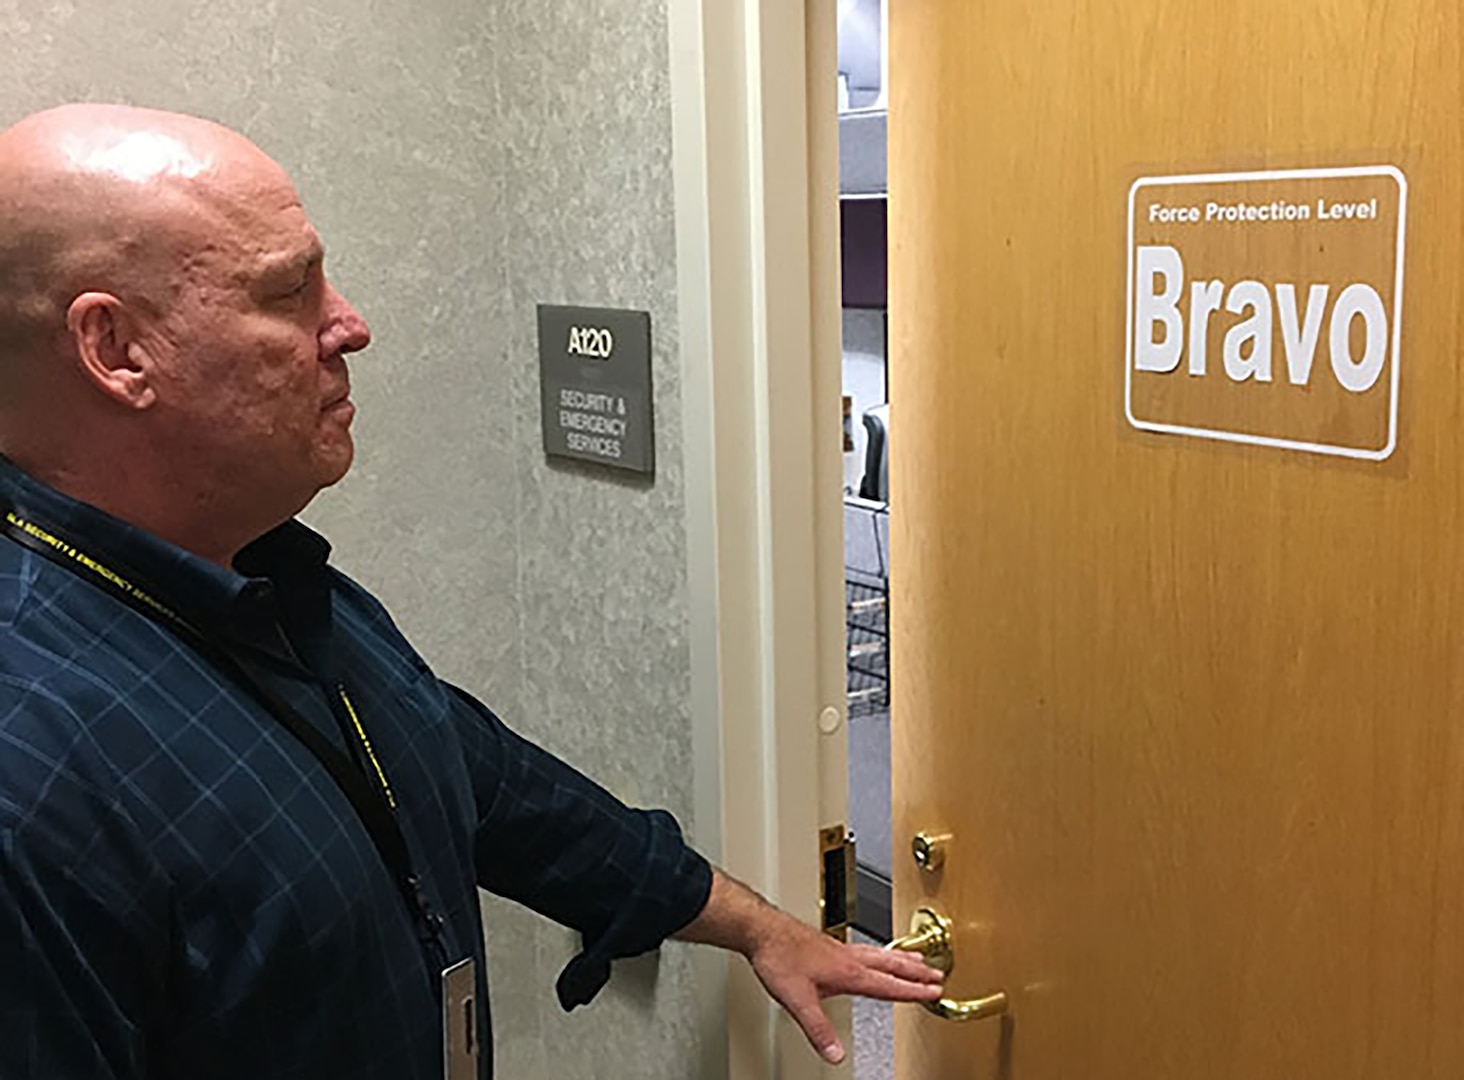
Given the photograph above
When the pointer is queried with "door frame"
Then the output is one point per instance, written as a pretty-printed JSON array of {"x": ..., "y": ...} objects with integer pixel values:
[{"x": 755, "y": 135}]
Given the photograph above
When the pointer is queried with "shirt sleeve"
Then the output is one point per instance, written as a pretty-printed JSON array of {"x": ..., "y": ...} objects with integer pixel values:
[
  {"x": 79, "y": 963},
  {"x": 552, "y": 839}
]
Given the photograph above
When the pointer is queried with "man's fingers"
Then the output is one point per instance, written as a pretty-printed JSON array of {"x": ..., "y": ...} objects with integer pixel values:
[
  {"x": 907, "y": 965},
  {"x": 805, "y": 1009},
  {"x": 888, "y": 987}
]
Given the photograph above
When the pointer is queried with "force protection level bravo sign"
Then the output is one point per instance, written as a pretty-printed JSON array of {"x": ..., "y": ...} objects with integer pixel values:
[
  {"x": 595, "y": 385},
  {"x": 1265, "y": 308}
]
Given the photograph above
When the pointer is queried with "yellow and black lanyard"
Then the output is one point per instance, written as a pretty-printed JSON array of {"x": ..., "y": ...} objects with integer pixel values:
[{"x": 374, "y": 803}]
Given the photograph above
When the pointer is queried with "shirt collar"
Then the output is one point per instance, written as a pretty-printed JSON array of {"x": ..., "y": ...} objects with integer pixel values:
[{"x": 287, "y": 563}]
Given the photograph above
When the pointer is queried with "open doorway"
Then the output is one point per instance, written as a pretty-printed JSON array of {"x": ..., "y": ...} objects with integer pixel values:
[{"x": 863, "y": 197}]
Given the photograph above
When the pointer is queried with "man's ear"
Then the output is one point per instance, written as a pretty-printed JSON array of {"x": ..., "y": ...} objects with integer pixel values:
[{"x": 112, "y": 357}]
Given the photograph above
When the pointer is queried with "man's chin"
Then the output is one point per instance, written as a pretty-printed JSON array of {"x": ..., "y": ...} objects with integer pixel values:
[
  {"x": 333, "y": 462},
  {"x": 336, "y": 474}
]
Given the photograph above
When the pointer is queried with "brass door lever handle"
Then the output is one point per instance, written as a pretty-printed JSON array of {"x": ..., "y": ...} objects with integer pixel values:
[{"x": 930, "y": 935}]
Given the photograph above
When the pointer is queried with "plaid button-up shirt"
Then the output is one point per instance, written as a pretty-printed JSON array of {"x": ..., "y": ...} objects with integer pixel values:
[{"x": 185, "y": 892}]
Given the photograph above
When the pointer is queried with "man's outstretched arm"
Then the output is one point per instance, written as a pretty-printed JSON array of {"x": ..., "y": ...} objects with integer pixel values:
[
  {"x": 799, "y": 966},
  {"x": 553, "y": 839}
]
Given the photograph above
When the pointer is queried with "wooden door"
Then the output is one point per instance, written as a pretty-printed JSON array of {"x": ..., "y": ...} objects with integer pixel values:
[{"x": 1191, "y": 709}]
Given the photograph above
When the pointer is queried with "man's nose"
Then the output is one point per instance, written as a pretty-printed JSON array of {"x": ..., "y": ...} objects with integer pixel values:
[{"x": 345, "y": 330}]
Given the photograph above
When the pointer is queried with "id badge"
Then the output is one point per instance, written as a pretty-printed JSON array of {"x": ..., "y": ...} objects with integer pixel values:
[{"x": 460, "y": 1021}]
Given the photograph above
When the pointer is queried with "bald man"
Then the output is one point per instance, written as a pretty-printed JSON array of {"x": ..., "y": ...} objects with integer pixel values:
[{"x": 241, "y": 821}]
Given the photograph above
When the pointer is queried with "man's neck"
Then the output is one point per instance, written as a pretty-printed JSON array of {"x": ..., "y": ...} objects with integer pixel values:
[{"x": 188, "y": 523}]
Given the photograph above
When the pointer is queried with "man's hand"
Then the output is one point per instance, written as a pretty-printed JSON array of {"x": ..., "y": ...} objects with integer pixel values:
[{"x": 800, "y": 967}]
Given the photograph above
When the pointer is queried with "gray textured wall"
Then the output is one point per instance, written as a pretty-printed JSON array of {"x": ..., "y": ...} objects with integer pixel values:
[{"x": 464, "y": 161}]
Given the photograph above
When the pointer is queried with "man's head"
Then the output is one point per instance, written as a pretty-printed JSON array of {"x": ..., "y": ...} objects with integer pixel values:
[{"x": 170, "y": 348}]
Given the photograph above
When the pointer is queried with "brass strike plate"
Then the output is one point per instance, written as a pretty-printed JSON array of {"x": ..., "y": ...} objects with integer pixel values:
[{"x": 837, "y": 896}]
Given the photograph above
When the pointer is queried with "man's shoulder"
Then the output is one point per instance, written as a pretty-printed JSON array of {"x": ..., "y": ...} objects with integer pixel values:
[
  {"x": 40, "y": 625},
  {"x": 65, "y": 652},
  {"x": 49, "y": 618},
  {"x": 13, "y": 580},
  {"x": 51, "y": 711}
]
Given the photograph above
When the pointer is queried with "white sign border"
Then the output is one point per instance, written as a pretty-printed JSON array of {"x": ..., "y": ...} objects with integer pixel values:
[{"x": 1361, "y": 453}]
